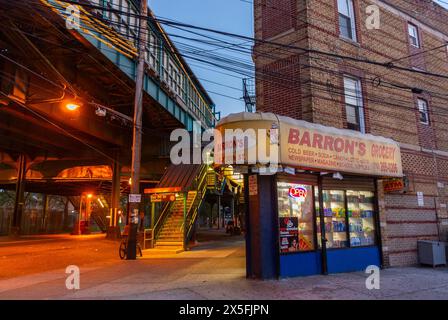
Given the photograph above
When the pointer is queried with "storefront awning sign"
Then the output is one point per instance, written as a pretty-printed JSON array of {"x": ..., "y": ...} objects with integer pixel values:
[{"x": 317, "y": 147}]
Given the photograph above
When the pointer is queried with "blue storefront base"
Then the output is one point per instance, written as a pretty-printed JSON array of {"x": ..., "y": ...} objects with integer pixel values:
[
  {"x": 353, "y": 259},
  {"x": 340, "y": 260},
  {"x": 300, "y": 264}
]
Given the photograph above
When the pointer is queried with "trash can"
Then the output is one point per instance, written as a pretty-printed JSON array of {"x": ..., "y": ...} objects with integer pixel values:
[{"x": 431, "y": 253}]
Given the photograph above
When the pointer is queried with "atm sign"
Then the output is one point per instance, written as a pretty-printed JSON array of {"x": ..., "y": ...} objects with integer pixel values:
[{"x": 393, "y": 185}]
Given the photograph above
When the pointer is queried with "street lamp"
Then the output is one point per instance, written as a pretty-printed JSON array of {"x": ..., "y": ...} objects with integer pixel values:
[{"x": 72, "y": 106}]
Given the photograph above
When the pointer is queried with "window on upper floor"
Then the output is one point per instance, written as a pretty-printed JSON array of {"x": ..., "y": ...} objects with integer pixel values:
[
  {"x": 347, "y": 25},
  {"x": 354, "y": 108},
  {"x": 413, "y": 35},
  {"x": 423, "y": 111}
]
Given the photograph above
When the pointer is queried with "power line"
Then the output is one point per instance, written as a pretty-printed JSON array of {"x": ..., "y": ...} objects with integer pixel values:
[
  {"x": 215, "y": 64},
  {"x": 243, "y": 37},
  {"x": 189, "y": 31}
]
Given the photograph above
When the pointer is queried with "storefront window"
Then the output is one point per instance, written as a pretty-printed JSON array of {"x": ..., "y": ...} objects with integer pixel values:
[
  {"x": 296, "y": 217},
  {"x": 361, "y": 218},
  {"x": 334, "y": 219}
]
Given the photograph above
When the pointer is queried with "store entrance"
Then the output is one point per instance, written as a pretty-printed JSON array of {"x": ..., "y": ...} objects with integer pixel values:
[
  {"x": 297, "y": 230},
  {"x": 342, "y": 237}
]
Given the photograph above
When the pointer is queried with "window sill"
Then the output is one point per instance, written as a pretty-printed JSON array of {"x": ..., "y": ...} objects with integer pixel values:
[{"x": 350, "y": 41}]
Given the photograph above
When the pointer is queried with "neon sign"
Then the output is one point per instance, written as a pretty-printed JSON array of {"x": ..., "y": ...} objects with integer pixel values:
[{"x": 298, "y": 192}]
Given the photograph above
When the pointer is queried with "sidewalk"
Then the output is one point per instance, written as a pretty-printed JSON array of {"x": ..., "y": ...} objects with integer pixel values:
[{"x": 216, "y": 270}]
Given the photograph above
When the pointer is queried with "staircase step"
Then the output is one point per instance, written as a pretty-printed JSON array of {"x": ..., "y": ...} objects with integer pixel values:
[
  {"x": 169, "y": 244},
  {"x": 163, "y": 250},
  {"x": 170, "y": 234},
  {"x": 170, "y": 237},
  {"x": 172, "y": 226},
  {"x": 171, "y": 231}
]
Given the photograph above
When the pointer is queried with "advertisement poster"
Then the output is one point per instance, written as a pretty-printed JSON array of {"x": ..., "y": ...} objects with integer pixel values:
[{"x": 289, "y": 234}]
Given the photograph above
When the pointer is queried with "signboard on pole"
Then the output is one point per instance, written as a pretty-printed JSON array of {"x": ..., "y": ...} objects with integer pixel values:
[{"x": 135, "y": 198}]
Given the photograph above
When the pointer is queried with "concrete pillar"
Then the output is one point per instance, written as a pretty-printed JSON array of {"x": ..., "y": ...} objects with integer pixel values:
[
  {"x": 262, "y": 249},
  {"x": 19, "y": 196}
]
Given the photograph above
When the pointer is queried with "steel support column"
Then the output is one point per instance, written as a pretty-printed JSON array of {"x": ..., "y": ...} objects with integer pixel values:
[
  {"x": 113, "y": 231},
  {"x": 45, "y": 200},
  {"x": 19, "y": 197}
]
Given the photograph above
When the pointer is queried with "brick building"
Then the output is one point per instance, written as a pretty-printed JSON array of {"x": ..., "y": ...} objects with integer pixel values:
[{"x": 409, "y": 107}]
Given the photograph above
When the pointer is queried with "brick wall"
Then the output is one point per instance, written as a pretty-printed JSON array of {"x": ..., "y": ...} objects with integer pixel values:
[
  {"x": 278, "y": 16},
  {"x": 315, "y": 93}
]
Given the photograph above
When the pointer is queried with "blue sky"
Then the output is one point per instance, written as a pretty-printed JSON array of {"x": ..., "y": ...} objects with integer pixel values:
[
  {"x": 228, "y": 15},
  {"x": 233, "y": 16}
]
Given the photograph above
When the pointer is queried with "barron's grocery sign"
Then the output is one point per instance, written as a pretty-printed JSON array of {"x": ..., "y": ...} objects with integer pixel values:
[
  {"x": 317, "y": 148},
  {"x": 314, "y": 147}
]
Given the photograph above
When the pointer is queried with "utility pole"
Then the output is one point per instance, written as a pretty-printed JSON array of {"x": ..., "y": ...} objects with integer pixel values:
[{"x": 133, "y": 213}]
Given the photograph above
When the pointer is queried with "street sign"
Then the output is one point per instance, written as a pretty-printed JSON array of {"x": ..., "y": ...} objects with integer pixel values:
[
  {"x": 167, "y": 197},
  {"x": 135, "y": 198}
]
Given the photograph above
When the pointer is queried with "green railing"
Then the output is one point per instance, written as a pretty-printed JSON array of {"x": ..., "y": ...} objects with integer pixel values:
[{"x": 192, "y": 212}]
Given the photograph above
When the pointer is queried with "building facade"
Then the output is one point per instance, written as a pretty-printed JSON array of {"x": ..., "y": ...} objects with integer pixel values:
[{"x": 378, "y": 67}]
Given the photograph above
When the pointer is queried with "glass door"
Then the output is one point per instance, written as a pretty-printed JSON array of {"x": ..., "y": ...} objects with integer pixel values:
[{"x": 296, "y": 217}]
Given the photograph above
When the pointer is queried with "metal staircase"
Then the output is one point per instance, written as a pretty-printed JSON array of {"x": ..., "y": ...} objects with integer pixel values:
[
  {"x": 175, "y": 224},
  {"x": 100, "y": 216}
]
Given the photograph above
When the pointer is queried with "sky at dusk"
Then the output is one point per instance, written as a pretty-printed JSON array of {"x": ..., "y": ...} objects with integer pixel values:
[{"x": 235, "y": 16}]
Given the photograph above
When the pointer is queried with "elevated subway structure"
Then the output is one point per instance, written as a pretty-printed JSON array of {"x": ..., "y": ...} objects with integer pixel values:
[{"x": 46, "y": 148}]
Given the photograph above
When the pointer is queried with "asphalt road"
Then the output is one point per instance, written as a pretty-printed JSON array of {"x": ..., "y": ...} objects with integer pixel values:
[{"x": 36, "y": 254}]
